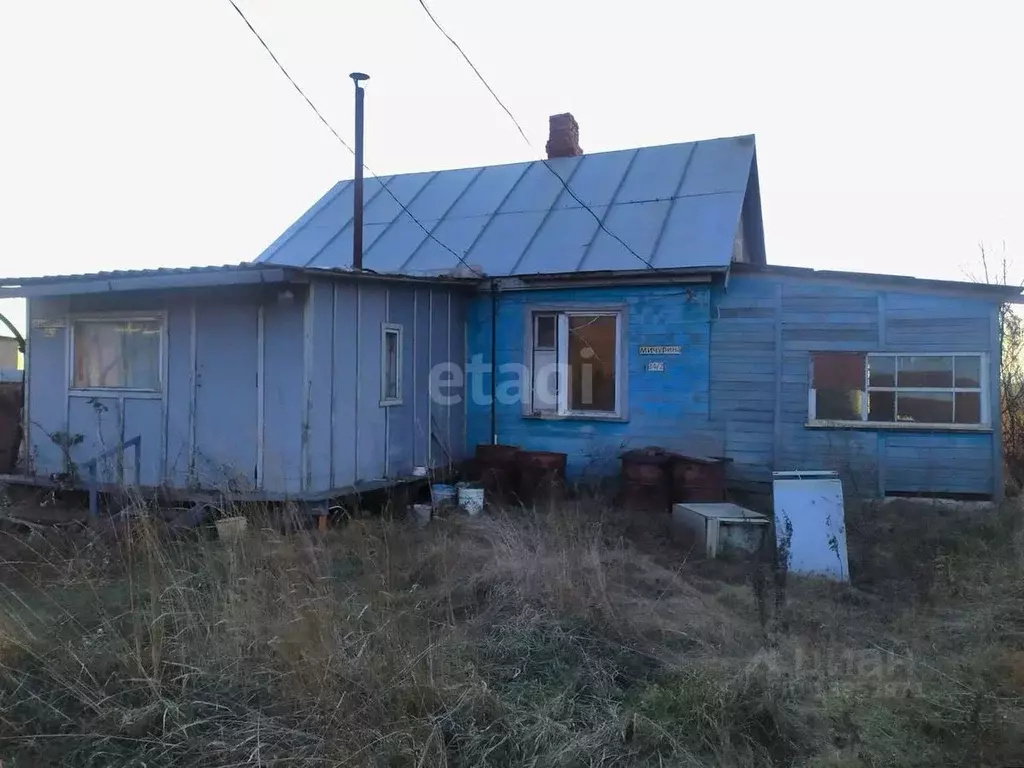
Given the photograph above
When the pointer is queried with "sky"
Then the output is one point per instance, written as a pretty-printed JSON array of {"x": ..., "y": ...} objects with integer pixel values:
[{"x": 137, "y": 134}]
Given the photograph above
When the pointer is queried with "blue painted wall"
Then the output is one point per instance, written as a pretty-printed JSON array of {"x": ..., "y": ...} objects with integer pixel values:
[
  {"x": 740, "y": 386},
  {"x": 669, "y": 408},
  {"x": 280, "y": 396},
  {"x": 766, "y": 327}
]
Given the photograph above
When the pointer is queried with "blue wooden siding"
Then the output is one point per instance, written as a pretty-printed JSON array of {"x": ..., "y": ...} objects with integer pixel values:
[
  {"x": 260, "y": 391},
  {"x": 740, "y": 386},
  {"x": 281, "y": 400},
  {"x": 775, "y": 323},
  {"x": 226, "y": 435},
  {"x": 178, "y": 389},
  {"x": 667, "y": 408}
]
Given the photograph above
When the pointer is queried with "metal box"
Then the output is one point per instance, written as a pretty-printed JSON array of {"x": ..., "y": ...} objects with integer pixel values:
[{"x": 720, "y": 528}]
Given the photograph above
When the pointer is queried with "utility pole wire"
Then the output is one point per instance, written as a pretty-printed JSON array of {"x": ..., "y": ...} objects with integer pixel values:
[
  {"x": 346, "y": 145},
  {"x": 476, "y": 71},
  {"x": 291, "y": 79},
  {"x": 526, "y": 138}
]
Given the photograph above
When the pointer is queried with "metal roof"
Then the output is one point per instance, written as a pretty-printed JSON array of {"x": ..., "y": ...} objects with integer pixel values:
[
  {"x": 118, "y": 274},
  {"x": 187, "y": 277},
  {"x": 994, "y": 291},
  {"x": 676, "y": 206}
]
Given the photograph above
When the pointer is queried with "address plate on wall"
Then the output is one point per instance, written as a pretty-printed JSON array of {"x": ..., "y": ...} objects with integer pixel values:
[{"x": 660, "y": 350}]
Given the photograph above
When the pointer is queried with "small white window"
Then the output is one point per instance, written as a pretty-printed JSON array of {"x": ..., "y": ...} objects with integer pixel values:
[
  {"x": 117, "y": 353},
  {"x": 574, "y": 361},
  {"x": 391, "y": 365},
  {"x": 876, "y": 388}
]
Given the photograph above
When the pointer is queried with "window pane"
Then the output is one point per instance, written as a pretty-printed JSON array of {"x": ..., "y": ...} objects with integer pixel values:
[
  {"x": 837, "y": 370},
  {"x": 925, "y": 407},
  {"x": 882, "y": 406},
  {"x": 545, "y": 381},
  {"x": 925, "y": 371},
  {"x": 545, "y": 330},
  {"x": 968, "y": 372},
  {"x": 968, "y": 407},
  {"x": 592, "y": 363},
  {"x": 390, "y": 365},
  {"x": 117, "y": 353},
  {"x": 881, "y": 371},
  {"x": 838, "y": 404}
]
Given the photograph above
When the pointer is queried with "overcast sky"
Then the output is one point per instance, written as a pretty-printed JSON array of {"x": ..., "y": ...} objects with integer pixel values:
[{"x": 136, "y": 133}]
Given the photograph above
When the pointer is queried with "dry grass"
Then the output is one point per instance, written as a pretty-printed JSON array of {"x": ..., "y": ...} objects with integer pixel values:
[{"x": 539, "y": 639}]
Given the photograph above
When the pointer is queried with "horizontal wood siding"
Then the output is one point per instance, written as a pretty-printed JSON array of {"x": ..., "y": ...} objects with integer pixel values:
[
  {"x": 938, "y": 463},
  {"x": 748, "y": 373},
  {"x": 743, "y": 363}
]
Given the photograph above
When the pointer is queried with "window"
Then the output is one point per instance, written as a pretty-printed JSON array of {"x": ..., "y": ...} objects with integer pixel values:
[
  {"x": 391, "y": 365},
  {"x": 117, "y": 353},
  {"x": 574, "y": 362},
  {"x": 898, "y": 389}
]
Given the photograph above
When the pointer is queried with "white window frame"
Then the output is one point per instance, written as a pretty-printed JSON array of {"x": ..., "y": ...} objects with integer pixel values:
[
  {"x": 118, "y": 317},
  {"x": 866, "y": 389},
  {"x": 387, "y": 329},
  {"x": 562, "y": 315}
]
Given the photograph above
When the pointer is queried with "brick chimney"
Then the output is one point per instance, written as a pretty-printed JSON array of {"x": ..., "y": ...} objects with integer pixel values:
[{"x": 563, "y": 136}]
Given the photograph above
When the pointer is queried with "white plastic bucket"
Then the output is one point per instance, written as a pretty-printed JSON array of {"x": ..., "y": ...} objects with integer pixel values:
[
  {"x": 442, "y": 495},
  {"x": 421, "y": 514},
  {"x": 230, "y": 529},
  {"x": 471, "y": 499}
]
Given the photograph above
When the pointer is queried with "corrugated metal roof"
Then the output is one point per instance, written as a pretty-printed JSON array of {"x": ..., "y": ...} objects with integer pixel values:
[
  {"x": 676, "y": 206},
  {"x": 118, "y": 274}
]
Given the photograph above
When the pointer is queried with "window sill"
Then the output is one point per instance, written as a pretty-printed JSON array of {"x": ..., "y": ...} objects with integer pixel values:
[
  {"x": 389, "y": 403},
  {"x": 575, "y": 417},
  {"x": 875, "y": 426},
  {"x": 115, "y": 392}
]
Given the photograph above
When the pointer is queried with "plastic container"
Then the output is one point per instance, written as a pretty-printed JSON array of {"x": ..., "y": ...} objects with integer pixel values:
[
  {"x": 471, "y": 499},
  {"x": 442, "y": 495},
  {"x": 230, "y": 529},
  {"x": 421, "y": 514}
]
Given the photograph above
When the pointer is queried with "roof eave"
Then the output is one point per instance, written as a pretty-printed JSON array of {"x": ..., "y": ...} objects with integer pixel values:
[
  {"x": 610, "y": 277},
  {"x": 92, "y": 284},
  {"x": 1008, "y": 293}
]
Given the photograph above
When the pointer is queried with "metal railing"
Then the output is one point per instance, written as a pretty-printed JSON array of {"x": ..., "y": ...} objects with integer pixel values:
[{"x": 92, "y": 465}]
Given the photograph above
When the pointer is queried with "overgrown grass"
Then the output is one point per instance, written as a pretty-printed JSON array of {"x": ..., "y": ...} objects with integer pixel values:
[{"x": 519, "y": 638}]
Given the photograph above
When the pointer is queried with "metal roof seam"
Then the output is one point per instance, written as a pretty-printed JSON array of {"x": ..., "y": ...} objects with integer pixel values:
[
  {"x": 644, "y": 201},
  {"x": 673, "y": 200},
  {"x": 547, "y": 214},
  {"x": 303, "y": 221},
  {"x": 608, "y": 209},
  {"x": 596, "y": 218},
  {"x": 336, "y": 235},
  {"x": 404, "y": 209},
  {"x": 441, "y": 219},
  {"x": 497, "y": 210}
]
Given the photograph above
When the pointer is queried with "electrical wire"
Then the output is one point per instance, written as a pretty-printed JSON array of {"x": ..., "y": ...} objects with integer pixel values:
[
  {"x": 347, "y": 146},
  {"x": 526, "y": 138}
]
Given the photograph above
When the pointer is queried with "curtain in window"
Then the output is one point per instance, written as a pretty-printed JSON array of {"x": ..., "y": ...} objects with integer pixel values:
[{"x": 117, "y": 354}]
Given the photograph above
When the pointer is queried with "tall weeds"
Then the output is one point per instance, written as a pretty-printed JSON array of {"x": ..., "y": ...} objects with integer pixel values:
[{"x": 542, "y": 638}]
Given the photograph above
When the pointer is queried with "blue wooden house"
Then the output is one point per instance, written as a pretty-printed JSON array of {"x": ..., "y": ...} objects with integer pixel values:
[{"x": 585, "y": 303}]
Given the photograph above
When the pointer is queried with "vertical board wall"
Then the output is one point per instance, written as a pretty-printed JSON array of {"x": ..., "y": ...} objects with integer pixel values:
[{"x": 263, "y": 390}]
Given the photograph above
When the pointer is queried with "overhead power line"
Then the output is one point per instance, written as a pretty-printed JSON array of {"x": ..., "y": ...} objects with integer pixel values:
[
  {"x": 347, "y": 146},
  {"x": 526, "y": 138}
]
